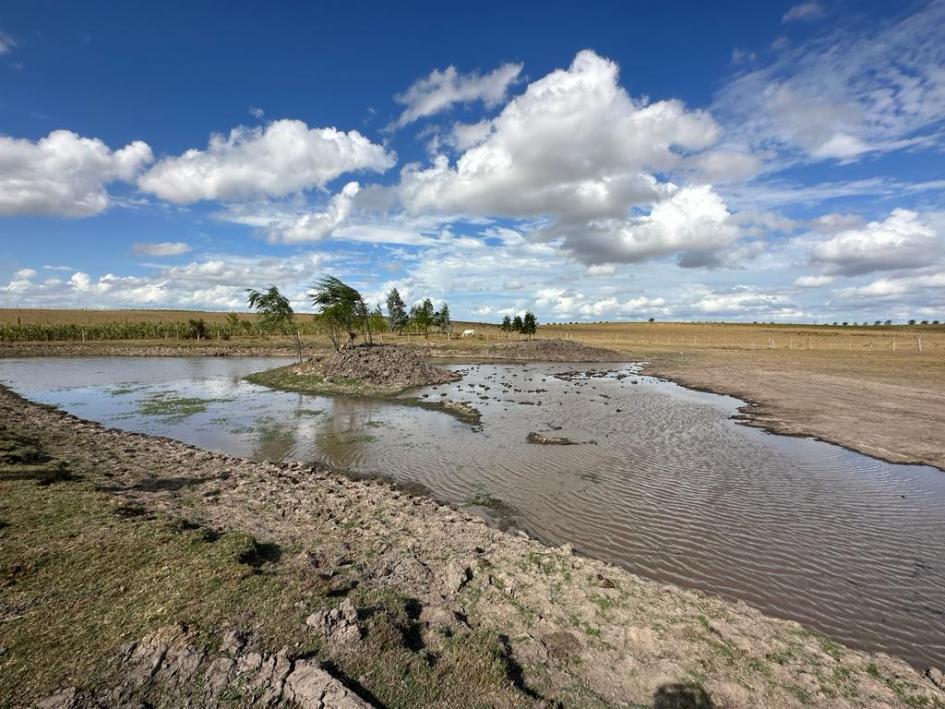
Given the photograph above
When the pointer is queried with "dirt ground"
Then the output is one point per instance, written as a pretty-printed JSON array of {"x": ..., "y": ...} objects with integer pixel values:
[
  {"x": 187, "y": 577},
  {"x": 882, "y": 406}
]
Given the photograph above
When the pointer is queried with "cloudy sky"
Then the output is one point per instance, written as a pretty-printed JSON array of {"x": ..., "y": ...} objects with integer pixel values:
[{"x": 591, "y": 161}]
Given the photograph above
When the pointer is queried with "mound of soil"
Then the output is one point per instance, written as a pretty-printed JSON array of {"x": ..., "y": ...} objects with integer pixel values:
[
  {"x": 383, "y": 367},
  {"x": 555, "y": 351}
]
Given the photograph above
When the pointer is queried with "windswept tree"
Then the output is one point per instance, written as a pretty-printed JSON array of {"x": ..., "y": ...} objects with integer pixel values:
[
  {"x": 273, "y": 312},
  {"x": 342, "y": 309},
  {"x": 506, "y": 324},
  {"x": 396, "y": 311}
]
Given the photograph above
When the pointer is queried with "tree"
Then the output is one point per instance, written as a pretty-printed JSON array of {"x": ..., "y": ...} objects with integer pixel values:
[
  {"x": 396, "y": 311},
  {"x": 197, "y": 329},
  {"x": 912, "y": 322},
  {"x": 342, "y": 309},
  {"x": 652, "y": 320},
  {"x": 422, "y": 316},
  {"x": 506, "y": 324},
  {"x": 441, "y": 318},
  {"x": 517, "y": 324},
  {"x": 887, "y": 322},
  {"x": 376, "y": 320},
  {"x": 273, "y": 312},
  {"x": 529, "y": 323}
]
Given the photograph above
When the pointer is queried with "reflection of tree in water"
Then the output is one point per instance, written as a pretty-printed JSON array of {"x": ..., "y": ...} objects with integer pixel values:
[
  {"x": 275, "y": 441},
  {"x": 342, "y": 436}
]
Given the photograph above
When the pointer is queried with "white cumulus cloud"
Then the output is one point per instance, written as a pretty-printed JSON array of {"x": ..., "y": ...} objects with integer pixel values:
[
  {"x": 63, "y": 174},
  {"x": 283, "y": 158},
  {"x": 315, "y": 226},
  {"x": 573, "y": 145},
  {"x": 905, "y": 239}
]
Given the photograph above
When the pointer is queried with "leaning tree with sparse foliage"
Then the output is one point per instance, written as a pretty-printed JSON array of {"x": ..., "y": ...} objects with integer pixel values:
[
  {"x": 273, "y": 312},
  {"x": 342, "y": 309}
]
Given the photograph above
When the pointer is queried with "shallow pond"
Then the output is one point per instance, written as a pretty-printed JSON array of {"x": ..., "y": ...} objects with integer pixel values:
[{"x": 663, "y": 482}]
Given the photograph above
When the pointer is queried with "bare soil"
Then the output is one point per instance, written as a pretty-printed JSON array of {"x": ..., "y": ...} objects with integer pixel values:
[
  {"x": 364, "y": 370},
  {"x": 541, "y": 350},
  {"x": 486, "y": 618},
  {"x": 874, "y": 407}
]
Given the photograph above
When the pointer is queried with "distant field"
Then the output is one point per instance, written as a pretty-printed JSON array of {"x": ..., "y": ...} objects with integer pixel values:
[
  {"x": 42, "y": 316},
  {"x": 660, "y": 336},
  {"x": 43, "y": 325}
]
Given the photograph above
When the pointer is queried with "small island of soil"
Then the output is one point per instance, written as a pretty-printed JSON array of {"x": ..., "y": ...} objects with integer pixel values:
[{"x": 362, "y": 370}]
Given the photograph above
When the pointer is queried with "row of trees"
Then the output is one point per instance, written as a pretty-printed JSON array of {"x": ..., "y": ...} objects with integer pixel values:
[
  {"x": 420, "y": 318},
  {"x": 343, "y": 313},
  {"x": 526, "y": 325}
]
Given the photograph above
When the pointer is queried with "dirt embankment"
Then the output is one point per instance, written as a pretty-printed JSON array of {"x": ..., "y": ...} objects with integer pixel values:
[
  {"x": 526, "y": 351},
  {"x": 878, "y": 412},
  {"x": 187, "y": 577},
  {"x": 364, "y": 370}
]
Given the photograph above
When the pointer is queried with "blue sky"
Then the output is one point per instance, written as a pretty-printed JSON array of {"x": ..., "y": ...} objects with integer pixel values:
[{"x": 743, "y": 161}]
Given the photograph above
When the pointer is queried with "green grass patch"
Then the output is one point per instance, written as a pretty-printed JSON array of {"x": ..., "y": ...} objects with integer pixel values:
[{"x": 170, "y": 405}]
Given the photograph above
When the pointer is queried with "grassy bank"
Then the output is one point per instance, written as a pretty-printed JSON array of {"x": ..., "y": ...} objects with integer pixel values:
[
  {"x": 287, "y": 379},
  {"x": 83, "y": 573}
]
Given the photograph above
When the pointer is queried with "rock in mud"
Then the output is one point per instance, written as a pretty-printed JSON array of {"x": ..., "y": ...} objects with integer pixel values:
[
  {"x": 458, "y": 576},
  {"x": 543, "y": 440},
  {"x": 338, "y": 625},
  {"x": 167, "y": 668}
]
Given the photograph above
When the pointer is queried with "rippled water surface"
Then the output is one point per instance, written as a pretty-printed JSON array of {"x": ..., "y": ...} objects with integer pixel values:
[{"x": 663, "y": 483}]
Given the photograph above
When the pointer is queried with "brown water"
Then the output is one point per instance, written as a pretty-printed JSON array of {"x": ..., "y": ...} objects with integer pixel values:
[{"x": 664, "y": 483}]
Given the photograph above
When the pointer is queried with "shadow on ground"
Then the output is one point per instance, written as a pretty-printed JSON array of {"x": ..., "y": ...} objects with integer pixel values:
[{"x": 681, "y": 696}]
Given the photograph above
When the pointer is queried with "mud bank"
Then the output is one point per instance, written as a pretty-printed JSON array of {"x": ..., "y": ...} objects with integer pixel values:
[
  {"x": 894, "y": 421},
  {"x": 351, "y": 588}
]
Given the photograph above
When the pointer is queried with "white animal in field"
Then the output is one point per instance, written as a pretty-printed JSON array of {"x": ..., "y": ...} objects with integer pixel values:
[{"x": 469, "y": 333}]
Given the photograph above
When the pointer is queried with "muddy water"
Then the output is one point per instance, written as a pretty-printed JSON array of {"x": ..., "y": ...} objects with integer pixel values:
[{"x": 663, "y": 482}]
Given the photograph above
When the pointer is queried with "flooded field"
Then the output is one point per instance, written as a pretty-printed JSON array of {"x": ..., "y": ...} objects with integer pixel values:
[{"x": 661, "y": 480}]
